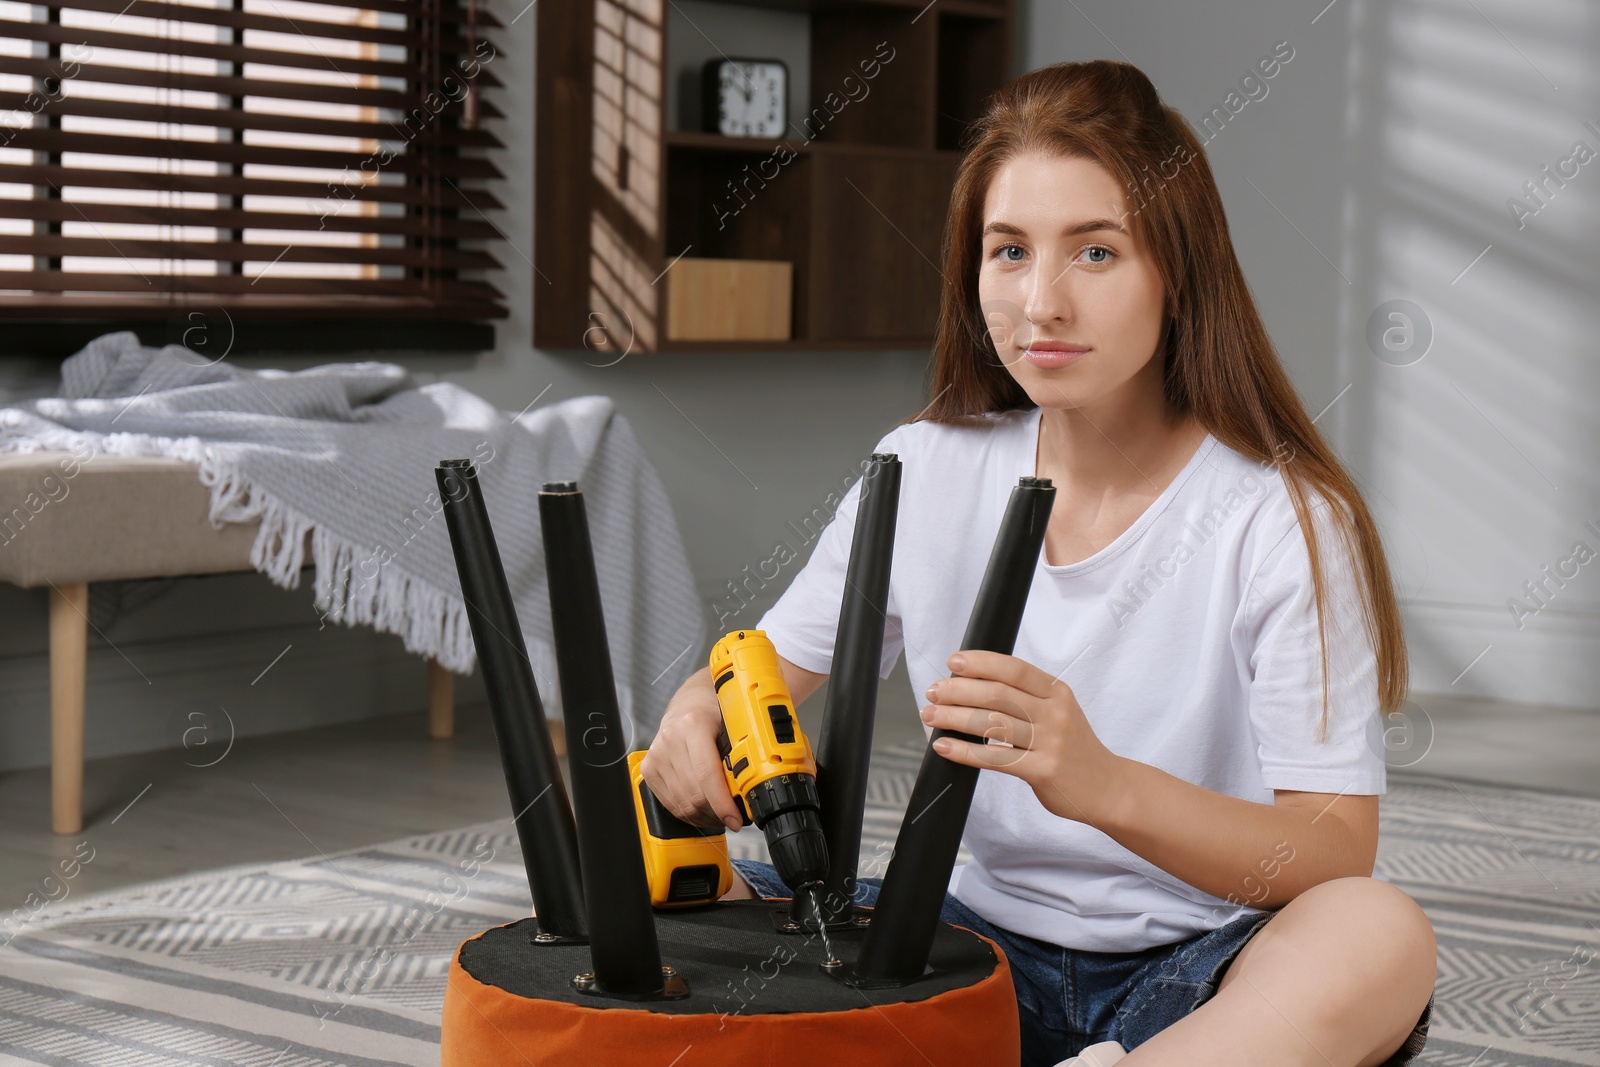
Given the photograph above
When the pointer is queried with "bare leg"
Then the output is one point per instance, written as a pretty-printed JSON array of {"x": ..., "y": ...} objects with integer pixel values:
[
  {"x": 1336, "y": 978},
  {"x": 741, "y": 889}
]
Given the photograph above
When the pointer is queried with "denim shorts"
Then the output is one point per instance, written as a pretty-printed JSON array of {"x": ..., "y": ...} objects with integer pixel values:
[{"x": 1068, "y": 999}]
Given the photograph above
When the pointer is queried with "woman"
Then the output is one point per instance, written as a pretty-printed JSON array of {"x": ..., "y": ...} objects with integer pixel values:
[{"x": 1175, "y": 847}]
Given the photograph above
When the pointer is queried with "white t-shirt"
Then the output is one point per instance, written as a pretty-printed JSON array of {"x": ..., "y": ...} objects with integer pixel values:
[{"x": 1190, "y": 642}]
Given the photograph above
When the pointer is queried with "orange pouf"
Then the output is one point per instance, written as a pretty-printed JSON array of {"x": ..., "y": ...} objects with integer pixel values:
[{"x": 757, "y": 997}]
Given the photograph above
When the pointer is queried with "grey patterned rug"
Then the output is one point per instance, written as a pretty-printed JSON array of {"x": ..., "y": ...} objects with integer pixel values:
[{"x": 342, "y": 960}]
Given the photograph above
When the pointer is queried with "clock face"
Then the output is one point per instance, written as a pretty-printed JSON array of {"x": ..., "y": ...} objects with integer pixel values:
[{"x": 752, "y": 97}]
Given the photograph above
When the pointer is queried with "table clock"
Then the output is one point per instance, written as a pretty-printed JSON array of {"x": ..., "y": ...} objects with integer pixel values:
[{"x": 745, "y": 97}]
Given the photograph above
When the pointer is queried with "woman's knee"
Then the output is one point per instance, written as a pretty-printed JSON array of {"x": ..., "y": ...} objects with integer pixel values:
[
  {"x": 1393, "y": 930},
  {"x": 1372, "y": 933}
]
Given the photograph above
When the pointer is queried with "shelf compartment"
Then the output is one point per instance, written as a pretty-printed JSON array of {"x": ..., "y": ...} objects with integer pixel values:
[
  {"x": 895, "y": 106},
  {"x": 741, "y": 205},
  {"x": 876, "y": 209},
  {"x": 974, "y": 54}
]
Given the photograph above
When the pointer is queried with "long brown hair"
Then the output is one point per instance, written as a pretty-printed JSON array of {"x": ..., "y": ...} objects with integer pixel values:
[{"x": 1219, "y": 364}]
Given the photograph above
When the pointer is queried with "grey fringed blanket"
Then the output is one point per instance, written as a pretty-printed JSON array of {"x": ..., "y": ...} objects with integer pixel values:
[{"x": 347, "y": 451}]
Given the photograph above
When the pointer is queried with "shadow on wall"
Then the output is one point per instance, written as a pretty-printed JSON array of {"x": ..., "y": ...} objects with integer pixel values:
[
  {"x": 627, "y": 145},
  {"x": 1472, "y": 239}
]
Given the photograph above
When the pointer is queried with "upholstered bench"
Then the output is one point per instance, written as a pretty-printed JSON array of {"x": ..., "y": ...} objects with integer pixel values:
[{"x": 66, "y": 522}]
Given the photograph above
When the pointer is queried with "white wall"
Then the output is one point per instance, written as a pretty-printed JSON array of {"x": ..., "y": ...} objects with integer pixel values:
[{"x": 1375, "y": 168}]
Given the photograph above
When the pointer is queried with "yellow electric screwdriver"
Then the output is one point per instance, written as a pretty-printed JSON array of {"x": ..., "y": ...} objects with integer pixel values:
[
  {"x": 771, "y": 774},
  {"x": 767, "y": 757}
]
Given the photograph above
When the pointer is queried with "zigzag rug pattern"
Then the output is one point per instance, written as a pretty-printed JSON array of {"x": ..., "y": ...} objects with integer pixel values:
[{"x": 342, "y": 959}]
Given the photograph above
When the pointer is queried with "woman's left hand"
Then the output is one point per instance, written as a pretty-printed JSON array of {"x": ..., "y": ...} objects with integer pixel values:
[{"x": 1051, "y": 745}]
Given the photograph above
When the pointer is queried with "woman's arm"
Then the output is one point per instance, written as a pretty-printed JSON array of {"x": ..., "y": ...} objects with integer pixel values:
[
  {"x": 801, "y": 682},
  {"x": 1263, "y": 855},
  {"x": 1252, "y": 853}
]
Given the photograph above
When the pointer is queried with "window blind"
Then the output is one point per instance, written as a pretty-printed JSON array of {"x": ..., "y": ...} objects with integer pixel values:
[{"x": 301, "y": 159}]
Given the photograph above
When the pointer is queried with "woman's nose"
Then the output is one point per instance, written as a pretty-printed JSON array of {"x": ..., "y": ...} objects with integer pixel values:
[{"x": 1047, "y": 296}]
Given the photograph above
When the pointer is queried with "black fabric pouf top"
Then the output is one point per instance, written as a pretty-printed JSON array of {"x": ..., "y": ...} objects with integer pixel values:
[{"x": 734, "y": 960}]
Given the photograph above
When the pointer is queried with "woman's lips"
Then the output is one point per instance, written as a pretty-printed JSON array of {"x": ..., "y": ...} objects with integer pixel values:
[{"x": 1054, "y": 357}]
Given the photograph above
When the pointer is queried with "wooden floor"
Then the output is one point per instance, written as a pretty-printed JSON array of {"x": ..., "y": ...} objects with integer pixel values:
[
  {"x": 291, "y": 795},
  {"x": 155, "y": 815}
]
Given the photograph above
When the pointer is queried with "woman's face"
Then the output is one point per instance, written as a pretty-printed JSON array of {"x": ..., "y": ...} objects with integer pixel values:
[{"x": 1059, "y": 268}]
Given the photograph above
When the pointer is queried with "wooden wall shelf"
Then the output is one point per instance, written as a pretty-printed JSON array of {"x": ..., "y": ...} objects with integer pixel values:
[
  {"x": 981, "y": 8},
  {"x": 716, "y": 142},
  {"x": 856, "y": 202}
]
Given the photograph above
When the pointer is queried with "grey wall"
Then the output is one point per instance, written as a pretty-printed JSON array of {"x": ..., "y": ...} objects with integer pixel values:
[{"x": 1376, "y": 167}]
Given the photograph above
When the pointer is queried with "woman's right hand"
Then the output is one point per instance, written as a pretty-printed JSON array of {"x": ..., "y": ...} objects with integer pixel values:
[{"x": 682, "y": 766}]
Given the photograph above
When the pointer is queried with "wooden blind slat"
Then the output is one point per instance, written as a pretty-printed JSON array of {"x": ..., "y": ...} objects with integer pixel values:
[
  {"x": 105, "y": 74},
  {"x": 225, "y": 152},
  {"x": 234, "y": 219},
  {"x": 266, "y": 282},
  {"x": 245, "y": 20},
  {"x": 299, "y": 305},
  {"x": 457, "y": 196},
  {"x": 51, "y": 33},
  {"x": 444, "y": 12},
  {"x": 240, "y": 252},
  {"x": 403, "y": 128}
]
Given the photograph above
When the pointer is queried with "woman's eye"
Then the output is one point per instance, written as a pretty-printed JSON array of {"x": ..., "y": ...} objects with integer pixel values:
[{"x": 1002, "y": 253}]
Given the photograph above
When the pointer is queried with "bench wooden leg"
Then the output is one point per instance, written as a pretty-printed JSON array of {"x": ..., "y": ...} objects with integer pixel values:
[
  {"x": 441, "y": 701},
  {"x": 69, "y": 650}
]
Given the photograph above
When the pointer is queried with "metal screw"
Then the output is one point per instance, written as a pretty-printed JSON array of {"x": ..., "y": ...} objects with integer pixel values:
[
  {"x": 544, "y": 937},
  {"x": 862, "y": 920},
  {"x": 584, "y": 981},
  {"x": 669, "y": 970}
]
